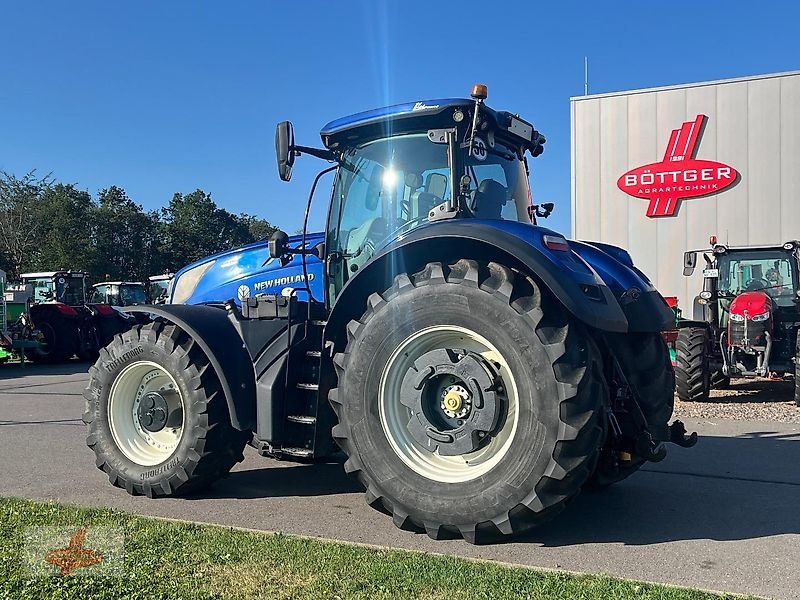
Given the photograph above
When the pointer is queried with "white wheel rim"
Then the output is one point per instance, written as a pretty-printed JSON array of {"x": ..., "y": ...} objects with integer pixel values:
[
  {"x": 394, "y": 415},
  {"x": 143, "y": 447}
]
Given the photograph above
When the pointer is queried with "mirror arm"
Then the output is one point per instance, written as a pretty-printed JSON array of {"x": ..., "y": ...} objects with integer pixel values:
[{"x": 318, "y": 152}]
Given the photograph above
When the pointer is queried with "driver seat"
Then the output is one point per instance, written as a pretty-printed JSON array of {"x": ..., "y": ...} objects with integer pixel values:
[{"x": 490, "y": 198}]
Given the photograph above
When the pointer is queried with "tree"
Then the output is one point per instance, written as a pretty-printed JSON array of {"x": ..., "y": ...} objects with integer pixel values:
[
  {"x": 258, "y": 229},
  {"x": 65, "y": 229},
  {"x": 128, "y": 239},
  {"x": 194, "y": 227},
  {"x": 20, "y": 230}
]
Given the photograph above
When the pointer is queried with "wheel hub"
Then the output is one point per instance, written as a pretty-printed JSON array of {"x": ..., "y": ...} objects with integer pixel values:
[
  {"x": 456, "y": 401},
  {"x": 154, "y": 413}
]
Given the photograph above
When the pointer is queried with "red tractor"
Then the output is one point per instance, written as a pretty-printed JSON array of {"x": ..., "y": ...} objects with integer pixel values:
[{"x": 745, "y": 320}]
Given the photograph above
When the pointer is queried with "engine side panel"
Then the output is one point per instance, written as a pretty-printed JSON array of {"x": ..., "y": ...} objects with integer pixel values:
[{"x": 249, "y": 271}]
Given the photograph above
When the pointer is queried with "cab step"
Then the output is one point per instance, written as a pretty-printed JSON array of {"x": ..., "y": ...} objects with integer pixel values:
[
  {"x": 297, "y": 452},
  {"x": 307, "y": 386},
  {"x": 313, "y": 353},
  {"x": 302, "y": 419}
]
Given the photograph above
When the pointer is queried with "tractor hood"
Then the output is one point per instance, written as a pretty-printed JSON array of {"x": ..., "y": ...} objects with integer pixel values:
[
  {"x": 751, "y": 304},
  {"x": 247, "y": 271}
]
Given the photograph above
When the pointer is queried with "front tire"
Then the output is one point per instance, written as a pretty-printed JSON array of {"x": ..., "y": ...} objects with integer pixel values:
[
  {"x": 692, "y": 371},
  {"x": 545, "y": 380},
  {"x": 157, "y": 416}
]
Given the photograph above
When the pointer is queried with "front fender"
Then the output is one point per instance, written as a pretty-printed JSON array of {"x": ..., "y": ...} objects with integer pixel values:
[
  {"x": 571, "y": 279},
  {"x": 213, "y": 331}
]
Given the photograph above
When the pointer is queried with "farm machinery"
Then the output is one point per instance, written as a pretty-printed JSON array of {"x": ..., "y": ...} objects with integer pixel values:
[
  {"x": 745, "y": 319},
  {"x": 477, "y": 370},
  {"x": 60, "y": 321},
  {"x": 119, "y": 293},
  {"x": 158, "y": 287}
]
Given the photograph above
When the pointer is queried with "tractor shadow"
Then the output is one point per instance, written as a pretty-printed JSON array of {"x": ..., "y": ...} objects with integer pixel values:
[
  {"x": 723, "y": 489},
  {"x": 744, "y": 391},
  {"x": 17, "y": 371},
  {"x": 284, "y": 479}
]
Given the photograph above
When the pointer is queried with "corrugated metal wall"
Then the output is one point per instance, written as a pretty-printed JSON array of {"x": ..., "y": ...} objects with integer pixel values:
[{"x": 753, "y": 125}]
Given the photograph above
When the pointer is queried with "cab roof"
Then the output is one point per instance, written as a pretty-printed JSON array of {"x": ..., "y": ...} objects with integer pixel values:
[
  {"x": 47, "y": 274},
  {"x": 139, "y": 283},
  {"x": 415, "y": 116}
]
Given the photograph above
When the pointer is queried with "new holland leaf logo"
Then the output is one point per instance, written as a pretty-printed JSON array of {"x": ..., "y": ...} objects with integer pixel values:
[
  {"x": 679, "y": 175},
  {"x": 74, "y": 556}
]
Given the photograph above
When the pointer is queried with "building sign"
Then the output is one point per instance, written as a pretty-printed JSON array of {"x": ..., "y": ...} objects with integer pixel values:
[{"x": 679, "y": 175}]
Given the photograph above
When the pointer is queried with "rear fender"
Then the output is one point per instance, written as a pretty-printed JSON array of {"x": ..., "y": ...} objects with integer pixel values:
[
  {"x": 213, "y": 331},
  {"x": 644, "y": 307},
  {"x": 568, "y": 277}
]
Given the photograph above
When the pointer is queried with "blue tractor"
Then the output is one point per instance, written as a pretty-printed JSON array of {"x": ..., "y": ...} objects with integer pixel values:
[{"x": 475, "y": 369}]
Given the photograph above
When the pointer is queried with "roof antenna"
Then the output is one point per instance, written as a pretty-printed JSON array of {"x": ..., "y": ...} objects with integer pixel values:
[{"x": 585, "y": 75}]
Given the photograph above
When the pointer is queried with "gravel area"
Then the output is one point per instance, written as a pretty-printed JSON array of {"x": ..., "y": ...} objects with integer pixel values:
[{"x": 746, "y": 400}]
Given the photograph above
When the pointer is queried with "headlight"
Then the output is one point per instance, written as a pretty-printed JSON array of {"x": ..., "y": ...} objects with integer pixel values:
[
  {"x": 184, "y": 286},
  {"x": 737, "y": 317},
  {"x": 761, "y": 317}
]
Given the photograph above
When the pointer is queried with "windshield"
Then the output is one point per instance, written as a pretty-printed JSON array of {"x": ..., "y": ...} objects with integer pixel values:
[
  {"x": 133, "y": 294},
  {"x": 388, "y": 187},
  {"x": 43, "y": 289},
  {"x": 757, "y": 270},
  {"x": 68, "y": 290},
  {"x": 499, "y": 185},
  {"x": 158, "y": 289}
]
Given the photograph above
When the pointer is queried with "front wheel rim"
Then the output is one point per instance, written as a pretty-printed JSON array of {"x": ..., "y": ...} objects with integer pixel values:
[
  {"x": 394, "y": 416},
  {"x": 134, "y": 385}
]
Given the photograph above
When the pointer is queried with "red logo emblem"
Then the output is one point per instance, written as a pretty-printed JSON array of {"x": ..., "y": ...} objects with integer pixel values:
[{"x": 679, "y": 175}]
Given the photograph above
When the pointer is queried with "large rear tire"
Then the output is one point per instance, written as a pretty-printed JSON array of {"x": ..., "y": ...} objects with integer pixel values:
[
  {"x": 645, "y": 361},
  {"x": 158, "y": 420},
  {"x": 548, "y": 385},
  {"x": 797, "y": 371},
  {"x": 692, "y": 371},
  {"x": 58, "y": 339}
]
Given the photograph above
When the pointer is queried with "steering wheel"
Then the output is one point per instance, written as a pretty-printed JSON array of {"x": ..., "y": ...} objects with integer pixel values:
[{"x": 757, "y": 284}]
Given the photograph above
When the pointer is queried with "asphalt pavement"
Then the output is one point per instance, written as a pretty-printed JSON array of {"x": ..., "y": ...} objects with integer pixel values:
[{"x": 722, "y": 515}]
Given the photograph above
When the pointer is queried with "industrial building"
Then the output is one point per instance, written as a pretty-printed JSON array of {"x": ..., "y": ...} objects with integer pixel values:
[{"x": 657, "y": 171}]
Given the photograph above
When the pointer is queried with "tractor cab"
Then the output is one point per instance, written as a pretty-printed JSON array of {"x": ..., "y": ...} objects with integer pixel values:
[
  {"x": 158, "y": 287},
  {"x": 748, "y": 310},
  {"x": 65, "y": 287},
  {"x": 119, "y": 293},
  {"x": 404, "y": 167}
]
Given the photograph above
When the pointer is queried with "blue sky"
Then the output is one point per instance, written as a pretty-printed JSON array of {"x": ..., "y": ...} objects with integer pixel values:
[{"x": 159, "y": 97}]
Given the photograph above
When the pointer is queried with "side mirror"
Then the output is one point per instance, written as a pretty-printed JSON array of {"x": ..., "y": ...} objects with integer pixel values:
[
  {"x": 284, "y": 149},
  {"x": 689, "y": 263},
  {"x": 278, "y": 244}
]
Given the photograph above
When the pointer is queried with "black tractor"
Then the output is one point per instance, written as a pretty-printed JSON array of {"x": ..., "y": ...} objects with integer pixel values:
[
  {"x": 745, "y": 321},
  {"x": 60, "y": 320}
]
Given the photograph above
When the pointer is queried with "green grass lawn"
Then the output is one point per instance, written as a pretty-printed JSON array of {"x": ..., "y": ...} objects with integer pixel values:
[{"x": 176, "y": 560}]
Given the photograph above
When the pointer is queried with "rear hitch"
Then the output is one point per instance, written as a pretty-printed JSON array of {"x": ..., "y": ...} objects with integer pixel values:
[
  {"x": 649, "y": 449},
  {"x": 677, "y": 435}
]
